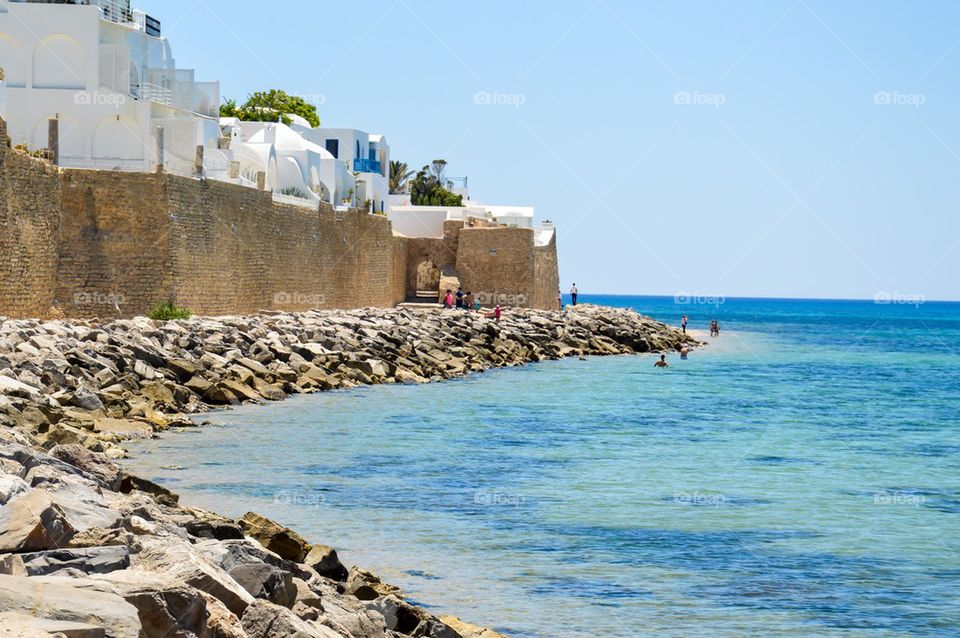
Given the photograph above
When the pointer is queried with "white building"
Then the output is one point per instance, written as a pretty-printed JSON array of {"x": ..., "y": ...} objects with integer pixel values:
[
  {"x": 108, "y": 76},
  {"x": 427, "y": 221}
]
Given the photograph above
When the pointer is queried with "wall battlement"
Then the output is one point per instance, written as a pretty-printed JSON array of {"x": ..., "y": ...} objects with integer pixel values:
[{"x": 87, "y": 243}]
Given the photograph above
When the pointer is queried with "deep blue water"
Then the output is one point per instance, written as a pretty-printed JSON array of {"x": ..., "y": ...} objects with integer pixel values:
[{"x": 799, "y": 476}]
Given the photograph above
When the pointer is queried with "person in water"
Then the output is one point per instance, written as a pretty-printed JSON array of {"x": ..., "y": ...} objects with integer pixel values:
[
  {"x": 661, "y": 362},
  {"x": 683, "y": 352}
]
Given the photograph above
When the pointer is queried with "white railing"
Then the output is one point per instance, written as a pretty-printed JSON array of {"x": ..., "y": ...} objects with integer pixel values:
[{"x": 152, "y": 93}]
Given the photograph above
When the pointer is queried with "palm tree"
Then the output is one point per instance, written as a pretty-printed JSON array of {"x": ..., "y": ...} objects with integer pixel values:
[{"x": 399, "y": 174}]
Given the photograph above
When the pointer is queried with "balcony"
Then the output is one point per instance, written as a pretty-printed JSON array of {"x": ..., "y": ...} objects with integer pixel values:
[{"x": 366, "y": 166}]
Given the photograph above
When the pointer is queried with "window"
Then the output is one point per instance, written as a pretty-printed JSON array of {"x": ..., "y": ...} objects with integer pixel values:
[
  {"x": 333, "y": 147},
  {"x": 358, "y": 155}
]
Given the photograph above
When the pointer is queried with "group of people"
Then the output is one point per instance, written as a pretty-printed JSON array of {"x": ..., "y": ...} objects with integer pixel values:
[
  {"x": 466, "y": 301},
  {"x": 460, "y": 300},
  {"x": 714, "y": 326}
]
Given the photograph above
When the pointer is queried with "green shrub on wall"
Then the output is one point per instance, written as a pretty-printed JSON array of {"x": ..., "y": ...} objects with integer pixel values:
[{"x": 167, "y": 311}]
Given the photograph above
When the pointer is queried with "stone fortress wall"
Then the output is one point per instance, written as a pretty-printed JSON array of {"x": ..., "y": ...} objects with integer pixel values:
[{"x": 106, "y": 244}]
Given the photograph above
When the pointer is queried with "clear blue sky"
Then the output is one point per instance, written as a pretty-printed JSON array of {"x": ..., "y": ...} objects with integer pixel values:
[{"x": 783, "y": 176}]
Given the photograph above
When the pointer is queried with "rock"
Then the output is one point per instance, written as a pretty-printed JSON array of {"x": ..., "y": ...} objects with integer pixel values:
[
  {"x": 164, "y": 606},
  {"x": 96, "y": 465},
  {"x": 11, "y": 486},
  {"x": 324, "y": 560},
  {"x": 278, "y": 539},
  {"x": 128, "y": 428},
  {"x": 86, "y": 399},
  {"x": 367, "y": 586},
  {"x": 59, "y": 598},
  {"x": 162, "y": 494},
  {"x": 17, "y": 625},
  {"x": 267, "y": 582},
  {"x": 90, "y": 560},
  {"x": 466, "y": 630},
  {"x": 210, "y": 525},
  {"x": 179, "y": 561},
  {"x": 33, "y": 521},
  {"x": 264, "y": 619}
]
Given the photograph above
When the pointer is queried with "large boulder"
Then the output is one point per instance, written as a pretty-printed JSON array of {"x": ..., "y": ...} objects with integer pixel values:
[
  {"x": 264, "y": 619},
  {"x": 466, "y": 630},
  {"x": 181, "y": 562},
  {"x": 323, "y": 559},
  {"x": 18, "y": 625},
  {"x": 267, "y": 582},
  {"x": 33, "y": 521},
  {"x": 59, "y": 598},
  {"x": 97, "y": 465},
  {"x": 280, "y": 540}
]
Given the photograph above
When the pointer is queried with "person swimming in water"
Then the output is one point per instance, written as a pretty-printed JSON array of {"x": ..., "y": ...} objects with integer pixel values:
[{"x": 661, "y": 362}]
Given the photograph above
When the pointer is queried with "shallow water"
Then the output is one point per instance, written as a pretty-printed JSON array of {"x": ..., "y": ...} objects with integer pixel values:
[{"x": 798, "y": 477}]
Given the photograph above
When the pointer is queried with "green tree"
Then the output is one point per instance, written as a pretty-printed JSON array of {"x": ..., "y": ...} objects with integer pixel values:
[
  {"x": 399, "y": 174},
  {"x": 268, "y": 106},
  {"x": 428, "y": 188}
]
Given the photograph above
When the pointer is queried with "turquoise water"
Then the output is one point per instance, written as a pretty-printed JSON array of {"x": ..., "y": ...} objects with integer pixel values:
[{"x": 798, "y": 477}]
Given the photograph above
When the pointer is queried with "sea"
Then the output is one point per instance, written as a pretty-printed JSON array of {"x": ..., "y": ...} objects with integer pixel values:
[{"x": 797, "y": 476}]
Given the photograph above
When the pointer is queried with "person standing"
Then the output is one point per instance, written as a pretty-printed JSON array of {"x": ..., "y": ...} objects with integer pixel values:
[
  {"x": 661, "y": 362},
  {"x": 448, "y": 299},
  {"x": 683, "y": 323},
  {"x": 573, "y": 295},
  {"x": 496, "y": 313},
  {"x": 459, "y": 298},
  {"x": 559, "y": 299}
]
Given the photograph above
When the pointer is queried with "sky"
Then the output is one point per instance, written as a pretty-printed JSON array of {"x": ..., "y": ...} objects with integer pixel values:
[{"x": 775, "y": 148}]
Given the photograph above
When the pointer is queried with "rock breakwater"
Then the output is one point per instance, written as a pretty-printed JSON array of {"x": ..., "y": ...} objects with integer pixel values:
[{"x": 89, "y": 550}]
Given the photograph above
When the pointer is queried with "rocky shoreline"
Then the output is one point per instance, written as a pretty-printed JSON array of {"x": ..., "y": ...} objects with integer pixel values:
[{"x": 89, "y": 550}]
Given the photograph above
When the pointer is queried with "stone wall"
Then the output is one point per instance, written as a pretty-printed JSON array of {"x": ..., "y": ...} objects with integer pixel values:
[
  {"x": 107, "y": 244},
  {"x": 29, "y": 218}
]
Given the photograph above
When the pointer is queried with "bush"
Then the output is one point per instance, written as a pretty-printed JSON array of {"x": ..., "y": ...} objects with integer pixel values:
[{"x": 167, "y": 311}]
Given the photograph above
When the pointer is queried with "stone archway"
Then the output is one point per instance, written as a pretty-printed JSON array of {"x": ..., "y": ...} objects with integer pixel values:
[{"x": 428, "y": 277}]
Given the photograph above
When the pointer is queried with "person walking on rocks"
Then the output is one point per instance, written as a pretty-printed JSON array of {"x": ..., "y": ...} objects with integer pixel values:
[
  {"x": 683, "y": 324},
  {"x": 573, "y": 295}
]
